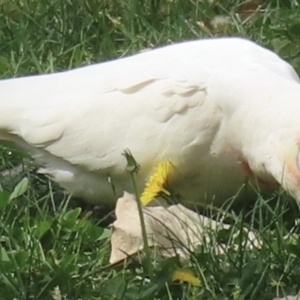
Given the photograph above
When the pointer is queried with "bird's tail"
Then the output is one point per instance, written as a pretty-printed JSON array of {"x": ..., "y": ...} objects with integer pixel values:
[{"x": 28, "y": 107}]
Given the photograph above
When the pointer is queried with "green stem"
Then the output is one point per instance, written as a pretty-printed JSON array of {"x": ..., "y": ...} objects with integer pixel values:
[{"x": 143, "y": 227}]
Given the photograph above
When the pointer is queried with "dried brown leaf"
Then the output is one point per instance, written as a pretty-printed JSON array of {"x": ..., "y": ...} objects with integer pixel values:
[{"x": 171, "y": 230}]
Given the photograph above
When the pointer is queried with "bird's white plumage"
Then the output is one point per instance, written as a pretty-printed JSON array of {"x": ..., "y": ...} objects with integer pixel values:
[{"x": 206, "y": 105}]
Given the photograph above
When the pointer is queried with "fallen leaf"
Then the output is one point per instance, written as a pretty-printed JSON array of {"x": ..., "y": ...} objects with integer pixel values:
[{"x": 173, "y": 230}]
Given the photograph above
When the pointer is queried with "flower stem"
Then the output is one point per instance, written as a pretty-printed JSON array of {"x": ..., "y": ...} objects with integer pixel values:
[
  {"x": 133, "y": 168},
  {"x": 143, "y": 228}
]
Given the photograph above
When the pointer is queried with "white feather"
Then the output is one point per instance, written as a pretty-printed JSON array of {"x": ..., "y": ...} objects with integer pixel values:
[{"x": 205, "y": 105}]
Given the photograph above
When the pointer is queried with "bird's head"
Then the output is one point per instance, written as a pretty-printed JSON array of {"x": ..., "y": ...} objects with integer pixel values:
[
  {"x": 282, "y": 162},
  {"x": 270, "y": 139},
  {"x": 289, "y": 173}
]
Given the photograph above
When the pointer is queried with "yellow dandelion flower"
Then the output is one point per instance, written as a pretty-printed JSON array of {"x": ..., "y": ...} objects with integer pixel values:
[
  {"x": 186, "y": 276},
  {"x": 156, "y": 183}
]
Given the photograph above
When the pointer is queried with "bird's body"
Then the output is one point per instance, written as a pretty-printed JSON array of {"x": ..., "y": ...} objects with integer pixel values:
[{"x": 221, "y": 110}]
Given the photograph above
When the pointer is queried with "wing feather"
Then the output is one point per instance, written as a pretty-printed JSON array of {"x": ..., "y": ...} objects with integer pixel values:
[{"x": 88, "y": 116}]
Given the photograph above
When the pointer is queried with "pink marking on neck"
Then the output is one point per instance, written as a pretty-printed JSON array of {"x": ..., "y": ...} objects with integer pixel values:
[{"x": 249, "y": 173}]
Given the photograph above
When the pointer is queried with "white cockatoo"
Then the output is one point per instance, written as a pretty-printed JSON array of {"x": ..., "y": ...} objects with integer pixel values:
[{"x": 222, "y": 111}]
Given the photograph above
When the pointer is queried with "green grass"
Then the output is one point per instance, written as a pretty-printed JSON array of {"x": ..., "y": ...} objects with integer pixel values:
[{"x": 51, "y": 248}]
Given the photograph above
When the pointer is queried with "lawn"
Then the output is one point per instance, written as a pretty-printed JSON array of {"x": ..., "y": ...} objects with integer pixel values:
[{"x": 54, "y": 247}]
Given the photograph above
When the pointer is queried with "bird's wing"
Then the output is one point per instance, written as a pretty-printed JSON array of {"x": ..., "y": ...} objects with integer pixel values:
[{"x": 90, "y": 115}]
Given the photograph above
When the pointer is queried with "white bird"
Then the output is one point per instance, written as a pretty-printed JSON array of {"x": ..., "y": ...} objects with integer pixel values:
[{"x": 221, "y": 110}]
